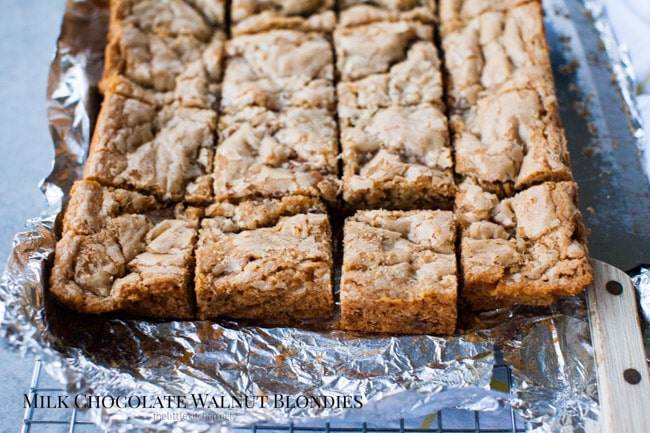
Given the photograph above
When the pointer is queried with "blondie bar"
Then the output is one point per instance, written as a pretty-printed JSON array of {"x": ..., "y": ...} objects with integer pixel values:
[
  {"x": 164, "y": 150},
  {"x": 487, "y": 43},
  {"x": 264, "y": 153},
  {"x": 504, "y": 115},
  {"x": 399, "y": 272},
  {"x": 529, "y": 249},
  {"x": 373, "y": 48},
  {"x": 124, "y": 251},
  {"x": 277, "y": 70},
  {"x": 512, "y": 138},
  {"x": 152, "y": 42},
  {"x": 393, "y": 129},
  {"x": 397, "y": 158},
  {"x": 269, "y": 261}
]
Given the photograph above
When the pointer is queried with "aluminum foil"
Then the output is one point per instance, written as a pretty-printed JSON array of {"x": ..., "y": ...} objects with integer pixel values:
[{"x": 197, "y": 376}]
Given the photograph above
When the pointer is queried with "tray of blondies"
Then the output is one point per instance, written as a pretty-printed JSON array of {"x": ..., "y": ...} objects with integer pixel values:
[{"x": 368, "y": 200}]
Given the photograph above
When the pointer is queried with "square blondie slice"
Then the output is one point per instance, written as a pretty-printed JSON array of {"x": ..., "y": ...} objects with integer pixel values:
[
  {"x": 198, "y": 18},
  {"x": 265, "y": 154},
  {"x": 163, "y": 150},
  {"x": 399, "y": 272},
  {"x": 513, "y": 138},
  {"x": 152, "y": 42},
  {"x": 488, "y": 43},
  {"x": 358, "y": 12},
  {"x": 268, "y": 261},
  {"x": 124, "y": 251},
  {"x": 529, "y": 249},
  {"x": 373, "y": 48},
  {"x": 397, "y": 158},
  {"x": 279, "y": 69},
  {"x": 255, "y": 16},
  {"x": 416, "y": 79}
]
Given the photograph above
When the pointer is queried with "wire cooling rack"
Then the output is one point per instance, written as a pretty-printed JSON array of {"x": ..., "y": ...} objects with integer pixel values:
[{"x": 40, "y": 419}]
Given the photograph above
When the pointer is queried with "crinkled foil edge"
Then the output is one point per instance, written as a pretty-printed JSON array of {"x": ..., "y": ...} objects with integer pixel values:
[{"x": 549, "y": 351}]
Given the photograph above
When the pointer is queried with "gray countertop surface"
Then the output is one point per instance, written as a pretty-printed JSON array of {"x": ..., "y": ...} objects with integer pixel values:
[{"x": 28, "y": 32}]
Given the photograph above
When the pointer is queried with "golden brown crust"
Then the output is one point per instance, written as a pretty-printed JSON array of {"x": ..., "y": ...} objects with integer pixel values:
[
  {"x": 266, "y": 261},
  {"x": 529, "y": 249},
  {"x": 123, "y": 251},
  {"x": 373, "y": 48},
  {"x": 399, "y": 272}
]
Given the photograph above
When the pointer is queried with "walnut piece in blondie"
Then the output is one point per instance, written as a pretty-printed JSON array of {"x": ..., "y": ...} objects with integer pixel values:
[
  {"x": 268, "y": 261},
  {"x": 124, "y": 251},
  {"x": 529, "y": 249},
  {"x": 399, "y": 272}
]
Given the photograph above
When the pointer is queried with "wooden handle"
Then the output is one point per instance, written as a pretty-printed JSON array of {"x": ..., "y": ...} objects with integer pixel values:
[{"x": 623, "y": 380}]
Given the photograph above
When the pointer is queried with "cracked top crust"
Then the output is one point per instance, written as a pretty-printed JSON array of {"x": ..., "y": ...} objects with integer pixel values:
[
  {"x": 160, "y": 62},
  {"x": 268, "y": 154},
  {"x": 198, "y": 18},
  {"x": 456, "y": 13},
  {"x": 491, "y": 49},
  {"x": 412, "y": 81},
  {"x": 529, "y": 249},
  {"x": 255, "y": 16},
  {"x": 513, "y": 138},
  {"x": 398, "y": 255},
  {"x": 372, "y": 49},
  {"x": 152, "y": 43},
  {"x": 359, "y": 12},
  {"x": 122, "y": 250},
  {"x": 397, "y": 157},
  {"x": 279, "y": 69},
  {"x": 165, "y": 150}
]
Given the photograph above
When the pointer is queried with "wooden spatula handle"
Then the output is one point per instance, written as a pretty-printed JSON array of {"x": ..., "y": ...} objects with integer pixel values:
[{"x": 623, "y": 380}]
